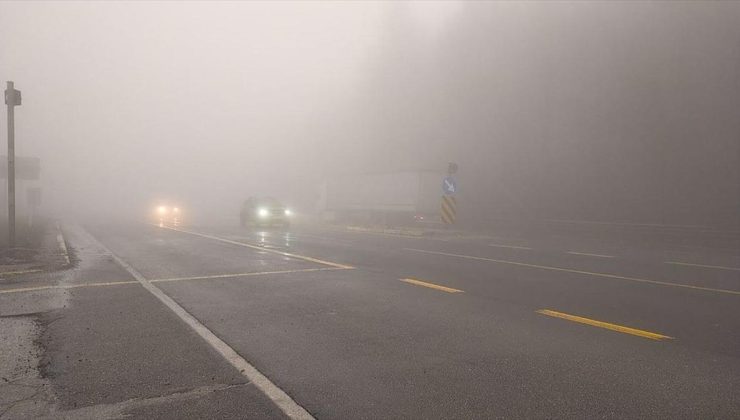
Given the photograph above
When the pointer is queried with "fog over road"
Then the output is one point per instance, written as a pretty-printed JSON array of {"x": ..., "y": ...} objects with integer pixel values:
[
  {"x": 602, "y": 111},
  {"x": 376, "y": 209}
]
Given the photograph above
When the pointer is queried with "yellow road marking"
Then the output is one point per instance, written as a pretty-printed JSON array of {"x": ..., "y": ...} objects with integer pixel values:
[
  {"x": 432, "y": 286},
  {"x": 285, "y": 254},
  {"x": 703, "y": 265},
  {"x": 588, "y": 273},
  {"x": 606, "y": 325},
  {"x": 226, "y": 276},
  {"x": 509, "y": 246},
  {"x": 110, "y": 283},
  {"x": 590, "y": 255},
  {"x": 20, "y": 272},
  {"x": 26, "y": 289},
  {"x": 65, "y": 286},
  {"x": 209, "y": 277}
]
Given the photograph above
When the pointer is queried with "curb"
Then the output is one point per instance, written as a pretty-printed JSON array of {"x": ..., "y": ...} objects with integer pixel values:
[{"x": 62, "y": 246}]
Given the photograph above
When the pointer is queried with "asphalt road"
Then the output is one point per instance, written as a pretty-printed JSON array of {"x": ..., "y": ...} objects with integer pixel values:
[{"x": 362, "y": 325}]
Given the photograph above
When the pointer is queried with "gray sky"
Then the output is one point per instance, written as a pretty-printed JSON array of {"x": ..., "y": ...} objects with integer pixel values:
[
  {"x": 139, "y": 98},
  {"x": 597, "y": 110}
]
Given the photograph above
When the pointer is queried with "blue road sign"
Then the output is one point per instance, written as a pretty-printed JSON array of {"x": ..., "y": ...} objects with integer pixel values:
[{"x": 449, "y": 186}]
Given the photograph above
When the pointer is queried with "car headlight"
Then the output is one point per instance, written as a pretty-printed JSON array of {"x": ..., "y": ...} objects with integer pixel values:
[
  {"x": 288, "y": 212},
  {"x": 162, "y": 210},
  {"x": 263, "y": 213},
  {"x": 176, "y": 210}
]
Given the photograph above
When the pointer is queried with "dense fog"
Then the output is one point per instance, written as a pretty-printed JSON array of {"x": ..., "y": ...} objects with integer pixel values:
[{"x": 621, "y": 111}]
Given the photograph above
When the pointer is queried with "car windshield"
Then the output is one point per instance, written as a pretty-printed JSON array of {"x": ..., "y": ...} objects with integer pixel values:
[{"x": 269, "y": 202}]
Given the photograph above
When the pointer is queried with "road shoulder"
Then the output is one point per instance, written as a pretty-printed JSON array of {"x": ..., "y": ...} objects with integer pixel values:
[{"x": 109, "y": 352}]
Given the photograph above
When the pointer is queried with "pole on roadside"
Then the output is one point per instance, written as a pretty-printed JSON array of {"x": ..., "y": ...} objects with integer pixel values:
[{"x": 12, "y": 99}]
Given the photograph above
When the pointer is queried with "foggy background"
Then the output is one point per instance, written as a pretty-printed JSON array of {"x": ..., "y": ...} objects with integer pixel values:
[{"x": 620, "y": 111}]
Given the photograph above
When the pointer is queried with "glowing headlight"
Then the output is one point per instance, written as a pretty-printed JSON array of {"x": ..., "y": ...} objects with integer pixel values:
[
  {"x": 176, "y": 210},
  {"x": 162, "y": 210},
  {"x": 263, "y": 213},
  {"x": 288, "y": 212}
]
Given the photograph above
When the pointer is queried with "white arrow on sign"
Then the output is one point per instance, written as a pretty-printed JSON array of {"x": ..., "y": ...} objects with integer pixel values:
[{"x": 450, "y": 185}]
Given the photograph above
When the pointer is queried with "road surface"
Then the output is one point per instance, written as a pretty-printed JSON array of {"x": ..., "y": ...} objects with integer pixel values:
[{"x": 335, "y": 324}]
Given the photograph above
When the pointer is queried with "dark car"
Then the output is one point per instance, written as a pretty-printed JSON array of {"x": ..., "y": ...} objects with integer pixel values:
[{"x": 264, "y": 211}]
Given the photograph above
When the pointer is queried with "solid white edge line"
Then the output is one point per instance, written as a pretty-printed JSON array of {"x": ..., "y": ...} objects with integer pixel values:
[
  {"x": 589, "y": 254},
  {"x": 260, "y": 248},
  {"x": 284, "y": 402},
  {"x": 570, "y": 270},
  {"x": 62, "y": 244}
]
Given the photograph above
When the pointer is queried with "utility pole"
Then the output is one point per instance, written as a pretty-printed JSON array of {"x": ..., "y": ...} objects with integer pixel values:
[{"x": 12, "y": 99}]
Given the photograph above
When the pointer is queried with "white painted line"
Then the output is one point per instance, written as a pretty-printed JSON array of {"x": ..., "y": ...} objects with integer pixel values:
[
  {"x": 591, "y": 222},
  {"x": 695, "y": 228},
  {"x": 260, "y": 248},
  {"x": 277, "y": 395},
  {"x": 570, "y": 270},
  {"x": 719, "y": 267},
  {"x": 62, "y": 245},
  {"x": 589, "y": 254},
  {"x": 509, "y": 246}
]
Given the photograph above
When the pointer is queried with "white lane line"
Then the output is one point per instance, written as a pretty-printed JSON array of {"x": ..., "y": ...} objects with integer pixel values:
[
  {"x": 719, "y": 267},
  {"x": 509, "y": 246},
  {"x": 277, "y": 395},
  {"x": 570, "y": 270},
  {"x": 62, "y": 245},
  {"x": 260, "y": 248},
  {"x": 587, "y": 254}
]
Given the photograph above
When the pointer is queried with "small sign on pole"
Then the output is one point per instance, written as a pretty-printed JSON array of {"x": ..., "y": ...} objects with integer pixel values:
[{"x": 449, "y": 186}]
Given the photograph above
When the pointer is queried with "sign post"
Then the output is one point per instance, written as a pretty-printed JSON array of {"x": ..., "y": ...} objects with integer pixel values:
[
  {"x": 12, "y": 99},
  {"x": 449, "y": 189}
]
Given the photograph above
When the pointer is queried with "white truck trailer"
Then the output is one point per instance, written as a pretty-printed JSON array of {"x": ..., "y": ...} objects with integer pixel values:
[{"x": 387, "y": 198}]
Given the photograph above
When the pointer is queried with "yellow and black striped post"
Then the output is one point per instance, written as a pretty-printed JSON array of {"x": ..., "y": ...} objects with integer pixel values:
[{"x": 449, "y": 209}]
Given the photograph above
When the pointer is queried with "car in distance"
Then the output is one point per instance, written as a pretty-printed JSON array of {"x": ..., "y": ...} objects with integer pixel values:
[
  {"x": 167, "y": 215},
  {"x": 264, "y": 211}
]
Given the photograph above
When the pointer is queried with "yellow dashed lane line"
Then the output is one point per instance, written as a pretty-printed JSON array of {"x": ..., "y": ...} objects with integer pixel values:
[
  {"x": 605, "y": 325},
  {"x": 432, "y": 285}
]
